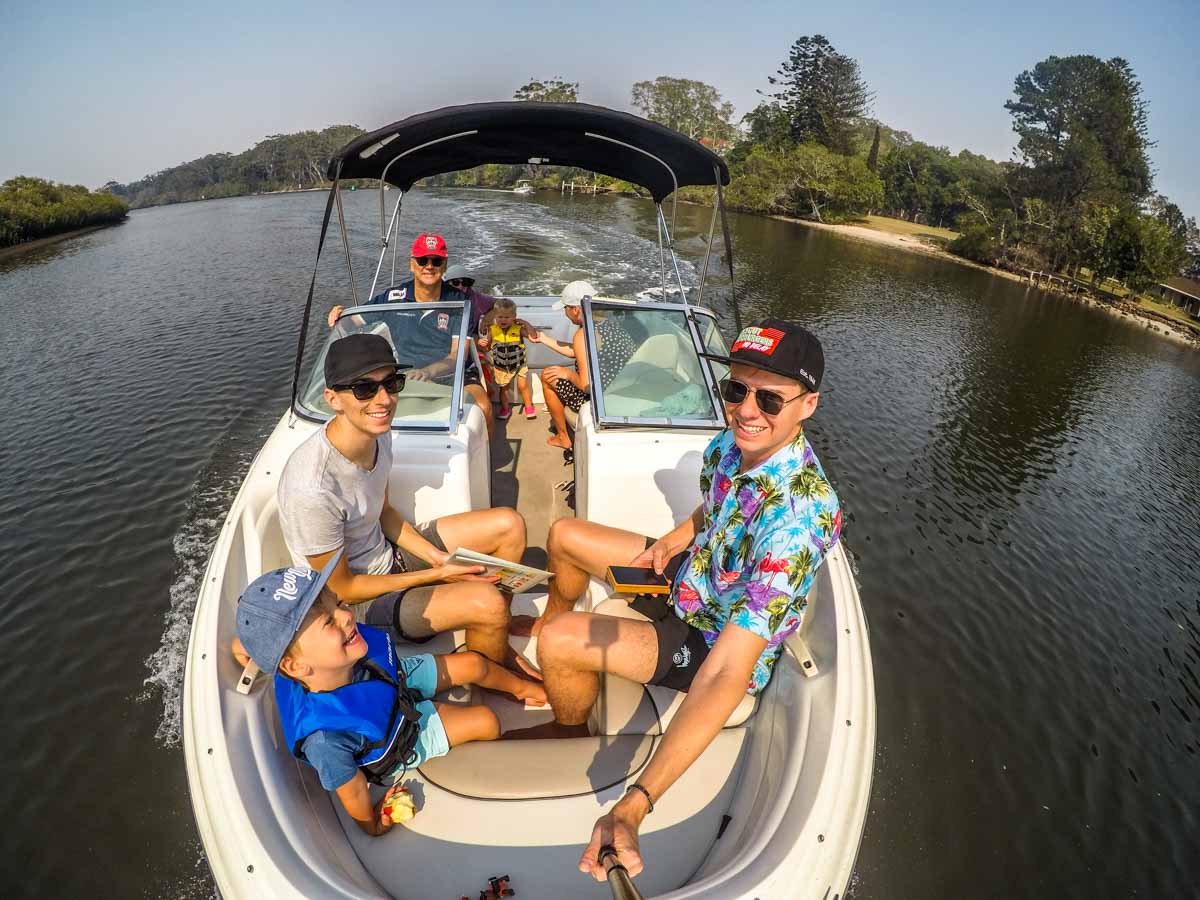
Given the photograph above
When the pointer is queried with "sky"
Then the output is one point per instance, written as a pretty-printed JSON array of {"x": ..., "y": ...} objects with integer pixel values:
[{"x": 99, "y": 91}]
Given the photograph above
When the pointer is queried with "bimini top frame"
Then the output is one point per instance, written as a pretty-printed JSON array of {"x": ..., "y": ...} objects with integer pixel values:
[
  {"x": 560, "y": 134},
  {"x": 566, "y": 134}
]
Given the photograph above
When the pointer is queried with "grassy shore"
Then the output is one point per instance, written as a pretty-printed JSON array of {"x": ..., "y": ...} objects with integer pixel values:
[{"x": 930, "y": 241}]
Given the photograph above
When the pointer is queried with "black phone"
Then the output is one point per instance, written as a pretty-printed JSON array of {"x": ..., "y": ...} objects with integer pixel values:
[{"x": 632, "y": 580}]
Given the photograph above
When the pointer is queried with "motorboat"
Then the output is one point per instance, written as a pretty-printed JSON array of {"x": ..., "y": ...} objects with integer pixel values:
[
  {"x": 523, "y": 187},
  {"x": 774, "y": 807}
]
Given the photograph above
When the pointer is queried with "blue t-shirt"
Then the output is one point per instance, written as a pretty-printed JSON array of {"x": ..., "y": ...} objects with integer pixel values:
[
  {"x": 334, "y": 753},
  {"x": 431, "y": 341}
]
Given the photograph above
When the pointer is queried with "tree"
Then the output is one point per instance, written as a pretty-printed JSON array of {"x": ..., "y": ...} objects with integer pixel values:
[
  {"x": 690, "y": 107},
  {"x": 873, "y": 156},
  {"x": 1082, "y": 124},
  {"x": 823, "y": 179},
  {"x": 822, "y": 92},
  {"x": 552, "y": 90}
]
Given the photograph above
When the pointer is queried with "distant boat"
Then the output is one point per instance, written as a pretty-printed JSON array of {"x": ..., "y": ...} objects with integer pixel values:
[{"x": 523, "y": 187}]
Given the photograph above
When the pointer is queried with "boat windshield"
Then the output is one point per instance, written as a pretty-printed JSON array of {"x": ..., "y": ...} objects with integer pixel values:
[
  {"x": 429, "y": 338},
  {"x": 645, "y": 361}
]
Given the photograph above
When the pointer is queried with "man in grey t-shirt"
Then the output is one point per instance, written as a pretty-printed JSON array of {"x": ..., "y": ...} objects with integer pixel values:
[{"x": 333, "y": 494}]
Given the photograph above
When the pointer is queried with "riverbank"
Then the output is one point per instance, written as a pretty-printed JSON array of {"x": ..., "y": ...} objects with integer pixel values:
[
  {"x": 924, "y": 242},
  {"x": 17, "y": 249}
]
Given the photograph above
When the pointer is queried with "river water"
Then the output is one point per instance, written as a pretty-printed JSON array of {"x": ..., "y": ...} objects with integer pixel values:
[{"x": 1019, "y": 476}]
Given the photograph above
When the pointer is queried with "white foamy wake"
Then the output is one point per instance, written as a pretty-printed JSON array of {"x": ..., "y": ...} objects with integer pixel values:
[{"x": 211, "y": 497}]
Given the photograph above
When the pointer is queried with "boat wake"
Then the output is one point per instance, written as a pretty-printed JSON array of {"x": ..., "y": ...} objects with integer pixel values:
[{"x": 212, "y": 494}]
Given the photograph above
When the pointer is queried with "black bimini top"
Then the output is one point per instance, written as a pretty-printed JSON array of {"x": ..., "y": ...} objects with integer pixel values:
[{"x": 558, "y": 134}]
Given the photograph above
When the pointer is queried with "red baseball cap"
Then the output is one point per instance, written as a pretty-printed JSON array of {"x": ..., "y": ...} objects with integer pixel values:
[{"x": 429, "y": 245}]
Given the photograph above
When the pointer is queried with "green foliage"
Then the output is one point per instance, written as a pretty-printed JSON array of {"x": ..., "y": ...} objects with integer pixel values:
[
  {"x": 808, "y": 180},
  {"x": 1082, "y": 124},
  {"x": 823, "y": 94},
  {"x": 280, "y": 162},
  {"x": 690, "y": 107},
  {"x": 978, "y": 242},
  {"x": 926, "y": 184},
  {"x": 552, "y": 90},
  {"x": 32, "y": 208}
]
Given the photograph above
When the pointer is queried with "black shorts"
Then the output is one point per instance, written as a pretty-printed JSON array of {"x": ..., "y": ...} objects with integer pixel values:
[
  {"x": 681, "y": 647},
  {"x": 572, "y": 397}
]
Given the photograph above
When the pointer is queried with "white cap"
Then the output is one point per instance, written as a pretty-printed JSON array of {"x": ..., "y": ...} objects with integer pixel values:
[{"x": 573, "y": 294}]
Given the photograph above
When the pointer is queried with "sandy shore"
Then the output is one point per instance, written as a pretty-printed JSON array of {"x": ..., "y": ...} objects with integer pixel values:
[{"x": 1173, "y": 331}]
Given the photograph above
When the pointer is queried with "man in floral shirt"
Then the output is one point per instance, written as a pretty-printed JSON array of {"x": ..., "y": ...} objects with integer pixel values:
[{"x": 740, "y": 568}]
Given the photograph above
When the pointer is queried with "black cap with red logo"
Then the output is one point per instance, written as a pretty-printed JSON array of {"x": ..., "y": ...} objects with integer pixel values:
[{"x": 779, "y": 347}]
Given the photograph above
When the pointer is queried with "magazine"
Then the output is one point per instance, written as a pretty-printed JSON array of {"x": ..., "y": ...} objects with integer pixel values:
[{"x": 513, "y": 576}]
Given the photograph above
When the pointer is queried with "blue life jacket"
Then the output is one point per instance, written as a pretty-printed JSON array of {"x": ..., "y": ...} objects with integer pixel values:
[{"x": 380, "y": 707}]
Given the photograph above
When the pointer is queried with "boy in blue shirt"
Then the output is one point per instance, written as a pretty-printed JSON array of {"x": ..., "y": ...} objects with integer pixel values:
[{"x": 348, "y": 706}]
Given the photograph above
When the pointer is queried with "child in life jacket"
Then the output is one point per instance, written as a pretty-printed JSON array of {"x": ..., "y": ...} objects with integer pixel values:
[
  {"x": 502, "y": 339},
  {"x": 349, "y": 706}
]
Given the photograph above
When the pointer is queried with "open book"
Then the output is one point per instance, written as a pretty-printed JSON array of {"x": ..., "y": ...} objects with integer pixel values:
[{"x": 513, "y": 576}]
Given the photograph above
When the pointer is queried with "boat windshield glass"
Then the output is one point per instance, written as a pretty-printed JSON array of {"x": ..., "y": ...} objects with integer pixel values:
[
  {"x": 428, "y": 338},
  {"x": 646, "y": 364}
]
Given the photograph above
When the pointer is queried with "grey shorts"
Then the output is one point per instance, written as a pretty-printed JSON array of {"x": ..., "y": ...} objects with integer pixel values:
[{"x": 385, "y": 611}]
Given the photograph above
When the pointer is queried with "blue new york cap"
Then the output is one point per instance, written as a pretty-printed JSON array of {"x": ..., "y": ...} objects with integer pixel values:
[{"x": 272, "y": 607}]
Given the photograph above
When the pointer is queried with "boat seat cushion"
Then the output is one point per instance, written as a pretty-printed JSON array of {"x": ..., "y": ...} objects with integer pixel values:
[
  {"x": 623, "y": 707},
  {"x": 531, "y": 770}
]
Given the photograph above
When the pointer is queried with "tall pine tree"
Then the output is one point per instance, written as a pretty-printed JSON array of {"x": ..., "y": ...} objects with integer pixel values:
[{"x": 822, "y": 92}]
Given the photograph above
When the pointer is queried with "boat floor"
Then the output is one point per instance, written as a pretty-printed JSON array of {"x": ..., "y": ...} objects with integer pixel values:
[{"x": 525, "y": 808}]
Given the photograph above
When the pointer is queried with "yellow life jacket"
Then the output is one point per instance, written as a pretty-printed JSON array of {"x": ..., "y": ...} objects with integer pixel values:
[{"x": 507, "y": 347}]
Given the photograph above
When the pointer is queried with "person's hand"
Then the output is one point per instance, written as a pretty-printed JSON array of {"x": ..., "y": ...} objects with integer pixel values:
[
  {"x": 383, "y": 824},
  {"x": 483, "y": 343},
  {"x": 656, "y": 556},
  {"x": 528, "y": 331},
  {"x": 456, "y": 572},
  {"x": 333, "y": 315},
  {"x": 621, "y": 831},
  {"x": 556, "y": 372},
  {"x": 418, "y": 375}
]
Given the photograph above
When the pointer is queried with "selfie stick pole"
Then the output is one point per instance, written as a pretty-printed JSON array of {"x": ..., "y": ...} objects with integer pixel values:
[{"x": 618, "y": 876}]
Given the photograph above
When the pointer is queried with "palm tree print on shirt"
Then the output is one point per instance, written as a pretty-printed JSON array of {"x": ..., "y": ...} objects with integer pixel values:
[{"x": 765, "y": 535}]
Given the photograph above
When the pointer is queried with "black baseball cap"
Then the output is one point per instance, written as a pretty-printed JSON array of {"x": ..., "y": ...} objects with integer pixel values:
[
  {"x": 780, "y": 347},
  {"x": 354, "y": 356}
]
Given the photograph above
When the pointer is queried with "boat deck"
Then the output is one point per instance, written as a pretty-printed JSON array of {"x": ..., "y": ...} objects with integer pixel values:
[{"x": 525, "y": 470}]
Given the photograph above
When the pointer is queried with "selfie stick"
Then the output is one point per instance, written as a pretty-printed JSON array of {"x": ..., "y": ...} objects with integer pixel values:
[{"x": 618, "y": 876}]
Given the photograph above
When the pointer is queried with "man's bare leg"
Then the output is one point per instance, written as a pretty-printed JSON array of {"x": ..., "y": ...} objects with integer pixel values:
[
  {"x": 578, "y": 550},
  {"x": 572, "y": 650},
  {"x": 474, "y": 605},
  {"x": 561, "y": 437},
  {"x": 496, "y": 532}
]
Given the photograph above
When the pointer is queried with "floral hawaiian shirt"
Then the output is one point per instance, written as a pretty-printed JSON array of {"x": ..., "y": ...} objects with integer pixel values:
[{"x": 766, "y": 532}]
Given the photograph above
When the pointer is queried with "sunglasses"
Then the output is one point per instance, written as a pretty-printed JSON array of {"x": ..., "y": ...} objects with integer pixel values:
[
  {"x": 734, "y": 392},
  {"x": 367, "y": 389},
  {"x": 436, "y": 261},
  {"x": 461, "y": 282}
]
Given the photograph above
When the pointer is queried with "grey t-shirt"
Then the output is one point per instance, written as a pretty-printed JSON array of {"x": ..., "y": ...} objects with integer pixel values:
[{"x": 326, "y": 502}]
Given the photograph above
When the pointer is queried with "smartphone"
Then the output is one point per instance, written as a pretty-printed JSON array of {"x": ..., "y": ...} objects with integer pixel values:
[{"x": 631, "y": 580}]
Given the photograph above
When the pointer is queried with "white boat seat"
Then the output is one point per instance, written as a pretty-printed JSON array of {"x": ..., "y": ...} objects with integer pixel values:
[
  {"x": 623, "y": 708},
  {"x": 541, "y": 769}
]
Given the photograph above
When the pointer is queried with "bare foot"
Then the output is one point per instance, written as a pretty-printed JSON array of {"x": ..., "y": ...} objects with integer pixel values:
[
  {"x": 532, "y": 692},
  {"x": 514, "y": 662},
  {"x": 547, "y": 730},
  {"x": 559, "y": 440}
]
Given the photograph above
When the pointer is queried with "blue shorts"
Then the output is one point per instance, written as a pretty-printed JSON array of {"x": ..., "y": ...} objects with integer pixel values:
[{"x": 432, "y": 742}]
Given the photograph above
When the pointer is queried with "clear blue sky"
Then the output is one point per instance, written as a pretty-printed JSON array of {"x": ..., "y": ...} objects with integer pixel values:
[{"x": 94, "y": 91}]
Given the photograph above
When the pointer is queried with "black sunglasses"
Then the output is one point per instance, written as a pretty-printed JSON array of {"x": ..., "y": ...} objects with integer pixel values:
[
  {"x": 461, "y": 282},
  {"x": 771, "y": 403},
  {"x": 436, "y": 261},
  {"x": 367, "y": 389}
]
